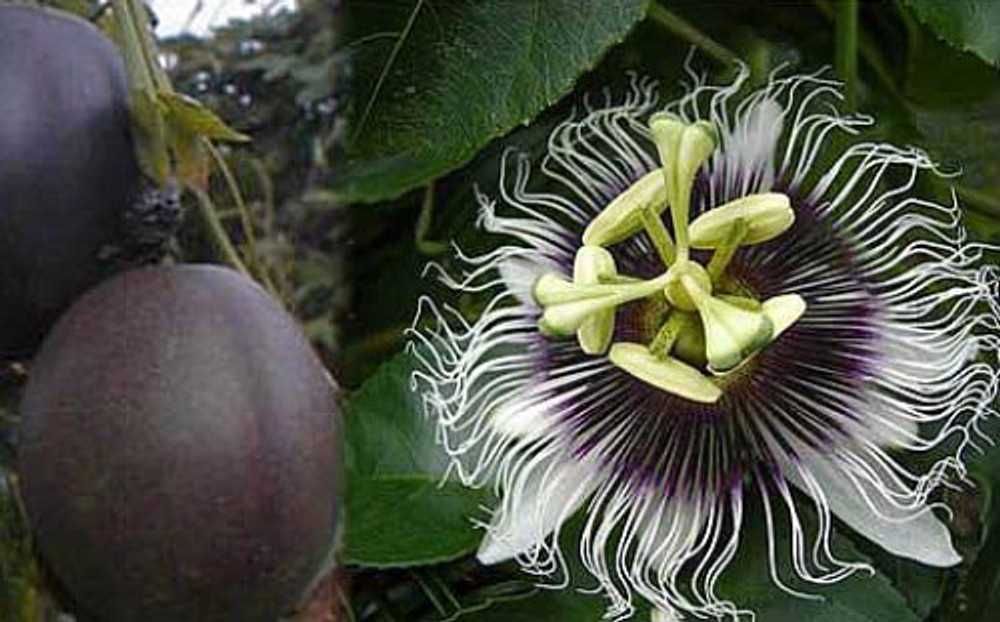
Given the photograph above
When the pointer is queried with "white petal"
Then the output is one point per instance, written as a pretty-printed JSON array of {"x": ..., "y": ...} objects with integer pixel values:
[
  {"x": 539, "y": 502},
  {"x": 884, "y": 423},
  {"x": 519, "y": 274},
  {"x": 530, "y": 417},
  {"x": 660, "y": 615},
  {"x": 923, "y": 537}
]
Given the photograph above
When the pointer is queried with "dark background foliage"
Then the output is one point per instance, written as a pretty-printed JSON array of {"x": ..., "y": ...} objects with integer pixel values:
[{"x": 374, "y": 121}]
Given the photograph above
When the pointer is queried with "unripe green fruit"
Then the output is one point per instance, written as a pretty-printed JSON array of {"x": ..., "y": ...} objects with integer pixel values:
[
  {"x": 67, "y": 168},
  {"x": 179, "y": 450}
]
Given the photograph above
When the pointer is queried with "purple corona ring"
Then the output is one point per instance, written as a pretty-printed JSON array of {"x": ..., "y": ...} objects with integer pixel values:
[{"x": 724, "y": 300}]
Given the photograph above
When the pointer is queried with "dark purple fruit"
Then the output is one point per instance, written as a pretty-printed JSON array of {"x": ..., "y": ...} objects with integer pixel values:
[
  {"x": 67, "y": 168},
  {"x": 179, "y": 450}
]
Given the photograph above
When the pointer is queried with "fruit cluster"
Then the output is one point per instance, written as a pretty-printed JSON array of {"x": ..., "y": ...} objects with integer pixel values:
[{"x": 178, "y": 440}]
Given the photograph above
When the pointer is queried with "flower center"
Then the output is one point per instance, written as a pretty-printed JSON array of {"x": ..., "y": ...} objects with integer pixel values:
[{"x": 704, "y": 325}]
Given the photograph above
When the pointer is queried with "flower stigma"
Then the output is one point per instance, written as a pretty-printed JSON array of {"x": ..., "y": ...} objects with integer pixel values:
[{"x": 712, "y": 325}]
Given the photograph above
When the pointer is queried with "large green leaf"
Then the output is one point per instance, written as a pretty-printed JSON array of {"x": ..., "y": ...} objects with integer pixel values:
[
  {"x": 387, "y": 433},
  {"x": 398, "y": 521},
  {"x": 860, "y": 598},
  {"x": 434, "y": 82},
  {"x": 970, "y": 25},
  {"x": 398, "y": 512},
  {"x": 978, "y": 595},
  {"x": 951, "y": 100}
]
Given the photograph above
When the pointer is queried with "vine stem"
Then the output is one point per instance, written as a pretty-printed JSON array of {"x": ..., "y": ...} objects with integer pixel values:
[
  {"x": 136, "y": 60},
  {"x": 687, "y": 31},
  {"x": 143, "y": 58},
  {"x": 846, "y": 60},
  {"x": 234, "y": 190},
  {"x": 210, "y": 217},
  {"x": 868, "y": 50},
  {"x": 425, "y": 245}
]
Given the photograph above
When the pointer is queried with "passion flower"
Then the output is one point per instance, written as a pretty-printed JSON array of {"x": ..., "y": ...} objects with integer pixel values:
[{"x": 714, "y": 304}]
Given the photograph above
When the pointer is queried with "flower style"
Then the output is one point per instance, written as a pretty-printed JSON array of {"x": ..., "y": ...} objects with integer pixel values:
[{"x": 714, "y": 305}]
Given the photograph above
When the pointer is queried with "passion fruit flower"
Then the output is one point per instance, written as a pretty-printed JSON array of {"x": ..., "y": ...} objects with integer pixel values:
[{"x": 709, "y": 304}]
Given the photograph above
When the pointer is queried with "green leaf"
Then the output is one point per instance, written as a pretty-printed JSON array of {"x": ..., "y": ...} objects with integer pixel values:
[
  {"x": 435, "y": 82},
  {"x": 400, "y": 521},
  {"x": 19, "y": 574},
  {"x": 398, "y": 512},
  {"x": 387, "y": 433},
  {"x": 149, "y": 130},
  {"x": 860, "y": 598},
  {"x": 192, "y": 117},
  {"x": 969, "y": 25},
  {"x": 961, "y": 137},
  {"x": 977, "y": 514}
]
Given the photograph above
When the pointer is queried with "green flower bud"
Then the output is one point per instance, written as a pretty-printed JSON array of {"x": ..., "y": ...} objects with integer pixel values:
[
  {"x": 622, "y": 218},
  {"x": 766, "y": 217},
  {"x": 667, "y": 374}
]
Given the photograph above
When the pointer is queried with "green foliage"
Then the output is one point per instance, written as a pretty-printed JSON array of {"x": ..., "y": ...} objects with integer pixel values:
[
  {"x": 408, "y": 520},
  {"x": 861, "y": 598},
  {"x": 980, "y": 583},
  {"x": 434, "y": 82},
  {"x": 438, "y": 90},
  {"x": 969, "y": 25},
  {"x": 398, "y": 513},
  {"x": 18, "y": 571},
  {"x": 387, "y": 433}
]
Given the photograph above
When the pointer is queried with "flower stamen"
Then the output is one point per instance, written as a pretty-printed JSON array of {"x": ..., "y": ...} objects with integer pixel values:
[
  {"x": 622, "y": 218},
  {"x": 659, "y": 235},
  {"x": 717, "y": 331},
  {"x": 725, "y": 251},
  {"x": 683, "y": 148},
  {"x": 665, "y": 373}
]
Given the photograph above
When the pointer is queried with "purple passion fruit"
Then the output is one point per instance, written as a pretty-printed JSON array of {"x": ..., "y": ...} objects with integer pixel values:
[
  {"x": 67, "y": 168},
  {"x": 179, "y": 450}
]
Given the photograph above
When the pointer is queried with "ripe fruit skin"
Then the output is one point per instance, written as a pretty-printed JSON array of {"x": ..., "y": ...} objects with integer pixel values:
[
  {"x": 179, "y": 450},
  {"x": 67, "y": 168}
]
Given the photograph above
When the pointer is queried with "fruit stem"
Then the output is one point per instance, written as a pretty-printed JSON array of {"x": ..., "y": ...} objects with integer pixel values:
[
  {"x": 217, "y": 232},
  {"x": 139, "y": 18},
  {"x": 685, "y": 30},
  {"x": 252, "y": 254},
  {"x": 847, "y": 49},
  {"x": 132, "y": 48}
]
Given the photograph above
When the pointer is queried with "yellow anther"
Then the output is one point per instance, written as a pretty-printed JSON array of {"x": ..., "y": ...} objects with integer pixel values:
[{"x": 668, "y": 374}]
